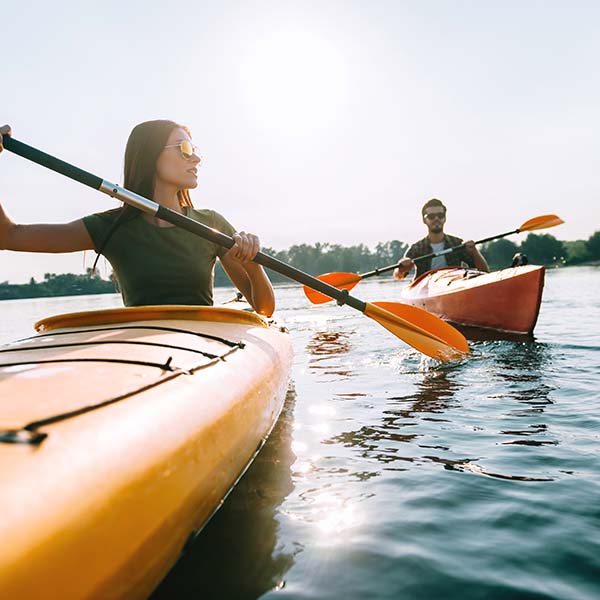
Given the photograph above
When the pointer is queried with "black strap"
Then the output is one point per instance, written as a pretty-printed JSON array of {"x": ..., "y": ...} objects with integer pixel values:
[
  {"x": 29, "y": 434},
  {"x": 206, "y": 336},
  {"x": 105, "y": 342}
]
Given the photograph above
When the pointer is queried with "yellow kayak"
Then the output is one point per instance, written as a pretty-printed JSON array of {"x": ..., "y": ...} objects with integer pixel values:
[{"x": 121, "y": 432}]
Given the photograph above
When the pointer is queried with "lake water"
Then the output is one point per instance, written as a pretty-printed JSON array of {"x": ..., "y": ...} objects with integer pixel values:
[{"x": 393, "y": 476}]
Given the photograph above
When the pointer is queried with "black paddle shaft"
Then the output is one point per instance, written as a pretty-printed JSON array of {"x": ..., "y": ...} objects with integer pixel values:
[
  {"x": 434, "y": 254},
  {"x": 55, "y": 164},
  {"x": 175, "y": 218}
]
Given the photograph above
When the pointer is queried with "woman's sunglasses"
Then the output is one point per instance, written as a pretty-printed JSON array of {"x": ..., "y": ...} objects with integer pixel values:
[{"x": 186, "y": 148}]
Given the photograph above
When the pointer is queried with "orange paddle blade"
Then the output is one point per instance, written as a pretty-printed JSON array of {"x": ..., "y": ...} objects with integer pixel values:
[
  {"x": 541, "y": 222},
  {"x": 420, "y": 329},
  {"x": 342, "y": 281}
]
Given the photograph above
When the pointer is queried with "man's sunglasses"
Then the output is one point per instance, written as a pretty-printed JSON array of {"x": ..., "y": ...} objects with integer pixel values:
[
  {"x": 434, "y": 215},
  {"x": 186, "y": 148}
]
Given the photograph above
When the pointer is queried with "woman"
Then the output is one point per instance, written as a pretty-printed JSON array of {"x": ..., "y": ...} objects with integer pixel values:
[{"x": 154, "y": 262}]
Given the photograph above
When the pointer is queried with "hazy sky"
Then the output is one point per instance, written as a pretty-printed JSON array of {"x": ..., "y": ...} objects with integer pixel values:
[{"x": 321, "y": 120}]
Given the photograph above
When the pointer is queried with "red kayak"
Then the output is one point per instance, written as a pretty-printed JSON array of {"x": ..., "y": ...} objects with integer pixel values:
[{"x": 507, "y": 300}]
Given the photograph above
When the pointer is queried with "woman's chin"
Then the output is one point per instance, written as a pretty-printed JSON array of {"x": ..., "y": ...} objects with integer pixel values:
[{"x": 191, "y": 184}]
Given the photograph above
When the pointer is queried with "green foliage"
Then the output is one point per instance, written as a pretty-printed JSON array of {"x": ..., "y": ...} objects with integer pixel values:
[
  {"x": 325, "y": 258},
  {"x": 593, "y": 246},
  {"x": 67, "y": 284},
  {"x": 544, "y": 249},
  {"x": 577, "y": 252},
  {"x": 499, "y": 254}
]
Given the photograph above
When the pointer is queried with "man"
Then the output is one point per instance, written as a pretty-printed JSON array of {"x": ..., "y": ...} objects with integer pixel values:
[{"x": 434, "y": 216}]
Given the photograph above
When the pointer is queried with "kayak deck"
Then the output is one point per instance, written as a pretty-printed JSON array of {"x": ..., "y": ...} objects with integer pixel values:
[{"x": 128, "y": 427}]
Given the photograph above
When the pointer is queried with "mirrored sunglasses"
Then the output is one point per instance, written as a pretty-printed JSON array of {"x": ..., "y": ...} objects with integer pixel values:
[{"x": 186, "y": 148}]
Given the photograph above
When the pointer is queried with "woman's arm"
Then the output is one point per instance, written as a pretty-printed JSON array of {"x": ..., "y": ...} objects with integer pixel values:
[
  {"x": 249, "y": 277},
  {"x": 65, "y": 237}
]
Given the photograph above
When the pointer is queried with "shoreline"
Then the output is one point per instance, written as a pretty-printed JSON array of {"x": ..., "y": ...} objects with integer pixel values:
[{"x": 277, "y": 284}]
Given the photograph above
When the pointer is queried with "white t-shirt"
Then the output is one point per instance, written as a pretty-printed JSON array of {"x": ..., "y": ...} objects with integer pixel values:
[{"x": 438, "y": 261}]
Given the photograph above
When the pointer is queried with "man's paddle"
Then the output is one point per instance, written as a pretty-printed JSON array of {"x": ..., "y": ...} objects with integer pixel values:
[
  {"x": 416, "y": 327},
  {"x": 346, "y": 281}
]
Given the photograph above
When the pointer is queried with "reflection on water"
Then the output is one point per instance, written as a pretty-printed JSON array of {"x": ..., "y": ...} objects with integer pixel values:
[
  {"x": 324, "y": 345},
  {"x": 524, "y": 367},
  {"x": 435, "y": 393},
  {"x": 237, "y": 555},
  {"x": 472, "y": 467},
  {"x": 328, "y": 343},
  {"x": 413, "y": 424},
  {"x": 478, "y": 334}
]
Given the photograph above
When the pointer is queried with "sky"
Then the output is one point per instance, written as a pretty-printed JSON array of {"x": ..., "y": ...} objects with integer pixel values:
[{"x": 317, "y": 120}]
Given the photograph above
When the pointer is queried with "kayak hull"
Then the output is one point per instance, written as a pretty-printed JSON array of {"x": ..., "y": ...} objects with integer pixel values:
[
  {"x": 507, "y": 300},
  {"x": 148, "y": 417}
]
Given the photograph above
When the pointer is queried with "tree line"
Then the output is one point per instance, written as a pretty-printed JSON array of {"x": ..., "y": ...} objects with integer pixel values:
[
  {"x": 67, "y": 284},
  {"x": 543, "y": 249},
  {"x": 319, "y": 258}
]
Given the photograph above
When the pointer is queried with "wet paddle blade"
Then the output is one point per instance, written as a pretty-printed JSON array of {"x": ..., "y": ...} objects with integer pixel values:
[
  {"x": 342, "y": 281},
  {"x": 541, "y": 222},
  {"x": 420, "y": 329}
]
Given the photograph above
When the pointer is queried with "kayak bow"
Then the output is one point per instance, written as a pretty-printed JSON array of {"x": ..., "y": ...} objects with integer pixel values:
[
  {"x": 507, "y": 300},
  {"x": 122, "y": 431}
]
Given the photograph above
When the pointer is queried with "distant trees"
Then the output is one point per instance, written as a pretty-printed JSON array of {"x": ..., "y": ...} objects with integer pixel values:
[
  {"x": 593, "y": 246},
  {"x": 499, "y": 254},
  {"x": 577, "y": 252},
  {"x": 325, "y": 257},
  {"x": 544, "y": 249},
  {"x": 66, "y": 284}
]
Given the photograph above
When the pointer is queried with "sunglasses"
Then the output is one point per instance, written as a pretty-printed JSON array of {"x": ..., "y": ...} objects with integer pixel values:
[
  {"x": 186, "y": 148},
  {"x": 435, "y": 215}
]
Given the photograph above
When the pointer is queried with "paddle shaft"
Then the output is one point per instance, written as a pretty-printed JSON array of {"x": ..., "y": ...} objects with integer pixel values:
[
  {"x": 434, "y": 254},
  {"x": 175, "y": 218}
]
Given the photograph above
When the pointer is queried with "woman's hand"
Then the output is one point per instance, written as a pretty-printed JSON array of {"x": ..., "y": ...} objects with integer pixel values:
[
  {"x": 4, "y": 130},
  {"x": 246, "y": 247},
  {"x": 249, "y": 277}
]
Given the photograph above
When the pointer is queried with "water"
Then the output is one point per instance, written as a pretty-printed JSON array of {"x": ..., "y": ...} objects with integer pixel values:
[{"x": 392, "y": 476}]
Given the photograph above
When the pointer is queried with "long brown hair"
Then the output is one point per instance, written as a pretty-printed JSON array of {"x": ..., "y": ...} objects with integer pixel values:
[{"x": 145, "y": 144}]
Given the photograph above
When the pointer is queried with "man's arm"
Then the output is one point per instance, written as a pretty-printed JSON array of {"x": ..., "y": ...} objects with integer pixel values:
[{"x": 478, "y": 258}]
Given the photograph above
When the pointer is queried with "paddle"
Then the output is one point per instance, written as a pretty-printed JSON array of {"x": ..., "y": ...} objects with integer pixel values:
[
  {"x": 347, "y": 281},
  {"x": 416, "y": 327}
]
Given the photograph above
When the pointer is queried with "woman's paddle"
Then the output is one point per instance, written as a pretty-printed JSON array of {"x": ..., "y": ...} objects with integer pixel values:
[
  {"x": 416, "y": 327},
  {"x": 346, "y": 281}
]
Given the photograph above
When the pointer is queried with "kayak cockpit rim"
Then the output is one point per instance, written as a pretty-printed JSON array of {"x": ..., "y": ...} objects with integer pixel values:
[{"x": 152, "y": 313}]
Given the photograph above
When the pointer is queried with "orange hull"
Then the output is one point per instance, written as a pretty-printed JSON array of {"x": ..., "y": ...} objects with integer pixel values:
[{"x": 507, "y": 300}]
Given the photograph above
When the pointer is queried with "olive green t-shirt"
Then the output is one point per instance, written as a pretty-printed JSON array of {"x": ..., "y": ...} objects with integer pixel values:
[{"x": 160, "y": 265}]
